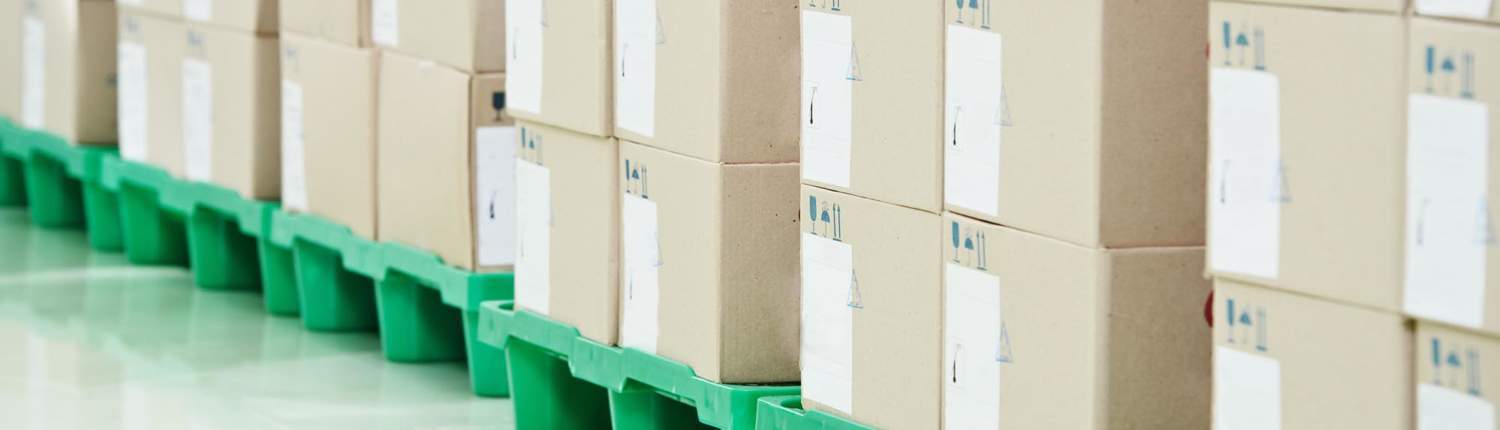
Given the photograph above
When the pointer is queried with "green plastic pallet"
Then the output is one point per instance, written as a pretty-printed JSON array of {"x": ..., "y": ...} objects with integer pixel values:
[
  {"x": 60, "y": 184},
  {"x": 562, "y": 380},
  {"x": 12, "y": 175},
  {"x": 786, "y": 413}
]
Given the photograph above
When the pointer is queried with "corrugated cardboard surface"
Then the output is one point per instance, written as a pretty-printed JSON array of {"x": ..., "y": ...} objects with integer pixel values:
[
  {"x": 1383, "y": 6},
  {"x": 80, "y": 69},
  {"x": 729, "y": 275},
  {"x": 576, "y": 88},
  {"x": 246, "y": 69},
  {"x": 1112, "y": 94},
  {"x": 259, "y": 16},
  {"x": 165, "y": 45},
  {"x": 1341, "y": 366},
  {"x": 10, "y": 61},
  {"x": 585, "y": 229},
  {"x": 465, "y": 34},
  {"x": 424, "y": 168},
  {"x": 1457, "y": 360},
  {"x": 338, "y": 125},
  {"x": 897, "y": 333},
  {"x": 1098, "y": 338},
  {"x": 726, "y": 81},
  {"x": 171, "y": 9},
  {"x": 1343, "y": 146},
  {"x": 342, "y": 21},
  {"x": 896, "y": 153}
]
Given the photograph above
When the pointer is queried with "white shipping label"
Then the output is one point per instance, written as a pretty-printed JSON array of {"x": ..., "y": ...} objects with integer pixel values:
[
  {"x": 197, "y": 118},
  {"x": 1477, "y": 9},
  {"x": 1448, "y": 229},
  {"x": 827, "y": 322},
  {"x": 1246, "y": 178},
  {"x": 1247, "y": 391},
  {"x": 131, "y": 62},
  {"x": 33, "y": 72},
  {"x": 534, "y": 236},
  {"x": 828, "y": 68},
  {"x": 1443, "y": 408},
  {"x": 495, "y": 195},
  {"x": 385, "y": 29},
  {"x": 293, "y": 164},
  {"x": 974, "y": 115},
  {"x": 132, "y": 2},
  {"x": 523, "y": 55},
  {"x": 635, "y": 66},
  {"x": 642, "y": 296},
  {"x": 972, "y": 348},
  {"x": 198, "y": 10}
]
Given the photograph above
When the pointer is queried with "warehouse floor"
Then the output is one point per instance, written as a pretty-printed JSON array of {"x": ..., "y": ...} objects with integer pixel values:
[{"x": 92, "y": 342}]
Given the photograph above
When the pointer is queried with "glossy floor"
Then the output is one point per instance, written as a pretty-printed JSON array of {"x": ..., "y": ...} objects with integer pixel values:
[{"x": 88, "y": 341}]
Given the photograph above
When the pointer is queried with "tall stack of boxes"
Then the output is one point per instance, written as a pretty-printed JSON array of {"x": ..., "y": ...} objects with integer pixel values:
[
  {"x": 1305, "y": 201},
  {"x": 62, "y": 78},
  {"x": 149, "y": 67}
]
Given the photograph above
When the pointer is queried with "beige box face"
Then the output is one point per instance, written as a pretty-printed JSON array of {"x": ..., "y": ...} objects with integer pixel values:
[
  {"x": 1061, "y": 94},
  {"x": 162, "y": 42},
  {"x": 1382, "y": 6},
  {"x": 243, "y": 74},
  {"x": 257, "y": 16},
  {"x": 330, "y": 91},
  {"x": 170, "y": 9},
  {"x": 560, "y": 64},
  {"x": 10, "y": 62},
  {"x": 345, "y": 22},
  {"x": 427, "y": 122},
  {"x": 724, "y": 274},
  {"x": 1296, "y": 362},
  {"x": 879, "y": 301},
  {"x": 1316, "y": 207},
  {"x": 891, "y": 74},
  {"x": 465, "y": 34},
  {"x": 576, "y": 176},
  {"x": 1454, "y": 387},
  {"x": 67, "y": 78},
  {"x": 725, "y": 86},
  {"x": 1053, "y": 335}
]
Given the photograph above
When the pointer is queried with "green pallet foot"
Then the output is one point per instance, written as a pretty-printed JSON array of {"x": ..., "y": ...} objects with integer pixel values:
[
  {"x": 487, "y": 369},
  {"x": 12, "y": 181},
  {"x": 55, "y": 199},
  {"x": 643, "y": 408},
  {"x": 223, "y": 257},
  {"x": 333, "y": 298},
  {"x": 415, "y": 325},
  {"x": 151, "y": 235},
  {"x": 278, "y": 280},
  {"x": 786, "y": 413},
  {"x": 102, "y": 217},
  {"x": 546, "y": 396}
]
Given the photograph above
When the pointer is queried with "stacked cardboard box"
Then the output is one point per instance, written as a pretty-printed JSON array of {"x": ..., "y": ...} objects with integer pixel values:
[
  {"x": 445, "y": 149},
  {"x": 60, "y": 69},
  {"x": 705, "y": 108},
  {"x": 328, "y": 79},
  {"x": 1305, "y": 201},
  {"x": 10, "y": 62}
]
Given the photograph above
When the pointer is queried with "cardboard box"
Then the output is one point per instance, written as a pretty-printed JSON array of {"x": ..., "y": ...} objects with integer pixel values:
[
  {"x": 870, "y": 115},
  {"x": 567, "y": 213},
  {"x": 559, "y": 64},
  {"x": 231, "y": 110},
  {"x": 1087, "y": 126},
  {"x": 1042, "y": 333},
  {"x": 170, "y": 9},
  {"x": 465, "y": 34},
  {"x": 346, "y": 22},
  {"x": 328, "y": 131},
  {"x": 1285, "y": 360},
  {"x": 1474, "y": 10},
  {"x": 150, "y": 58},
  {"x": 445, "y": 163},
  {"x": 256, "y": 16},
  {"x": 1307, "y": 157},
  {"x": 1381, "y": 6},
  {"x": 1453, "y": 388},
  {"x": 709, "y": 264},
  {"x": 67, "y": 69},
  {"x": 871, "y": 317},
  {"x": 1453, "y": 111},
  {"x": 10, "y": 62},
  {"x": 715, "y": 80}
]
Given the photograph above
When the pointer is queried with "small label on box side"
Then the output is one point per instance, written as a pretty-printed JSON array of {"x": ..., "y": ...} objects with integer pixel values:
[
  {"x": 1477, "y": 9},
  {"x": 131, "y": 61},
  {"x": 385, "y": 29},
  {"x": 34, "y": 72},
  {"x": 495, "y": 195},
  {"x": 1246, "y": 178},
  {"x": 198, "y": 10},
  {"x": 197, "y": 118},
  {"x": 1443, "y": 408},
  {"x": 293, "y": 166},
  {"x": 827, "y": 97},
  {"x": 635, "y": 66},
  {"x": 642, "y": 296},
  {"x": 1448, "y": 230},
  {"x": 974, "y": 347},
  {"x": 1247, "y": 391},
  {"x": 974, "y": 115},
  {"x": 827, "y": 322},
  {"x": 523, "y": 55},
  {"x": 534, "y": 236}
]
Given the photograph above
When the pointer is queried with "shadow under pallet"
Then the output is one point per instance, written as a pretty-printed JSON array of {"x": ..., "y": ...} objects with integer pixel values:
[{"x": 562, "y": 380}]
